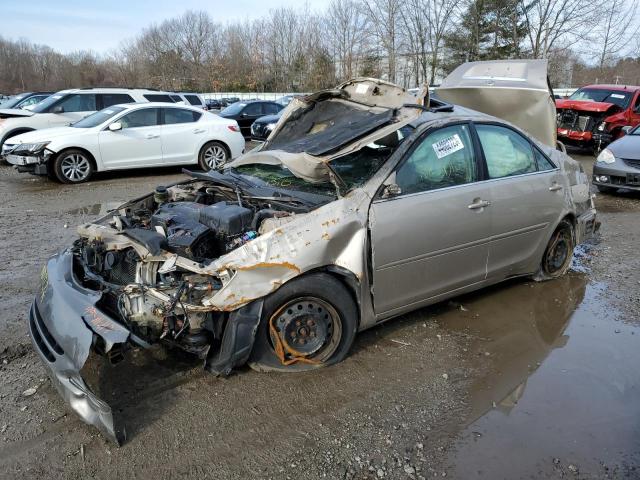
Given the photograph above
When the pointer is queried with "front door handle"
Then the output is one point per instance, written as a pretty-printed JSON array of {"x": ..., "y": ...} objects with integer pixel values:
[
  {"x": 555, "y": 187},
  {"x": 199, "y": 130},
  {"x": 478, "y": 203}
]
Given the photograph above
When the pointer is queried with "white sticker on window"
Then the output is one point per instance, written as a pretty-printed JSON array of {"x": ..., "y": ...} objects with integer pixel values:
[
  {"x": 448, "y": 145},
  {"x": 362, "y": 88},
  {"x": 616, "y": 95}
]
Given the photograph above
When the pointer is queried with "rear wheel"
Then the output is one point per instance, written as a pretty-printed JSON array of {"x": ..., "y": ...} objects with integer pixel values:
[
  {"x": 308, "y": 323},
  {"x": 558, "y": 254},
  {"x": 213, "y": 155},
  {"x": 73, "y": 166}
]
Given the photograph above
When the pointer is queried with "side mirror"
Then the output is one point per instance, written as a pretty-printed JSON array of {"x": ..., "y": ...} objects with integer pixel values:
[
  {"x": 57, "y": 109},
  {"x": 626, "y": 129},
  {"x": 391, "y": 190},
  {"x": 115, "y": 126}
]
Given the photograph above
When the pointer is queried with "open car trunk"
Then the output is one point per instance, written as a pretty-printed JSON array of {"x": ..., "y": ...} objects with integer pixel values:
[{"x": 515, "y": 90}]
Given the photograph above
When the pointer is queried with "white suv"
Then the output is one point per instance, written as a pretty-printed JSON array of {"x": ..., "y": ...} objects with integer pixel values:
[{"x": 68, "y": 106}]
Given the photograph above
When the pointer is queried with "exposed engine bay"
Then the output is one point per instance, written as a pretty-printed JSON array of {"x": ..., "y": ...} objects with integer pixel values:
[{"x": 158, "y": 299}]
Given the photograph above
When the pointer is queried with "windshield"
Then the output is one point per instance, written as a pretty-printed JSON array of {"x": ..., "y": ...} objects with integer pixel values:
[
  {"x": 280, "y": 176},
  {"x": 354, "y": 169},
  {"x": 635, "y": 131},
  {"x": 233, "y": 109},
  {"x": 617, "y": 97},
  {"x": 97, "y": 118},
  {"x": 12, "y": 102},
  {"x": 44, "y": 105}
]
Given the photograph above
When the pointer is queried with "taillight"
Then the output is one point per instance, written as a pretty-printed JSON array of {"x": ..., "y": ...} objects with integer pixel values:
[{"x": 233, "y": 128}]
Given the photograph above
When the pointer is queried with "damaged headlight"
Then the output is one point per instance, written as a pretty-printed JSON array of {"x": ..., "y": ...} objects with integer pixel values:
[
  {"x": 606, "y": 156},
  {"x": 602, "y": 126},
  {"x": 33, "y": 148}
]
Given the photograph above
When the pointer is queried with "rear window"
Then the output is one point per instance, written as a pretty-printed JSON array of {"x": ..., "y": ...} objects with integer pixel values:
[
  {"x": 193, "y": 100},
  {"x": 158, "y": 97},
  {"x": 179, "y": 115}
]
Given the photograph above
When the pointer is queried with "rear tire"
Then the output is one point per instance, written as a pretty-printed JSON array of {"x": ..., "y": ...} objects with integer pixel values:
[
  {"x": 73, "y": 166},
  {"x": 212, "y": 156},
  {"x": 558, "y": 254},
  {"x": 309, "y": 322},
  {"x": 605, "y": 189}
]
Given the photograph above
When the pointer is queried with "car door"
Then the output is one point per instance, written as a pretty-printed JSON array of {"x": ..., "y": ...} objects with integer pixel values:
[
  {"x": 182, "y": 136},
  {"x": 431, "y": 237},
  {"x": 249, "y": 115},
  {"x": 72, "y": 108},
  {"x": 527, "y": 199},
  {"x": 137, "y": 144}
]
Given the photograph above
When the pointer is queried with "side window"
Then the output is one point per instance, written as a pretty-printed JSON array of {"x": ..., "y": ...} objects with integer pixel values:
[
  {"x": 543, "y": 162},
  {"x": 636, "y": 107},
  {"x": 193, "y": 100},
  {"x": 158, "y": 97},
  {"x": 146, "y": 117},
  {"x": 253, "y": 109},
  {"x": 78, "y": 102},
  {"x": 30, "y": 101},
  {"x": 109, "y": 99},
  {"x": 179, "y": 115},
  {"x": 176, "y": 98},
  {"x": 271, "y": 108},
  {"x": 444, "y": 158},
  {"x": 507, "y": 152}
]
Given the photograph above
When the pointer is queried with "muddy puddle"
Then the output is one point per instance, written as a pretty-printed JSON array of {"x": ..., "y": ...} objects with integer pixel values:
[{"x": 561, "y": 395}]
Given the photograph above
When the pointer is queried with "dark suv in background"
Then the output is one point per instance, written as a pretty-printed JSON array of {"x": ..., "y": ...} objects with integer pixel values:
[{"x": 247, "y": 112}]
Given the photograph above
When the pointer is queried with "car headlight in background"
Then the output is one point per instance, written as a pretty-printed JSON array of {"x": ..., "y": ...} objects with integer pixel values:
[
  {"x": 271, "y": 126},
  {"x": 606, "y": 156}
]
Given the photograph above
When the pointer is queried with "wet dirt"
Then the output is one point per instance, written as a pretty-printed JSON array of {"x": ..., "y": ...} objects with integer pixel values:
[{"x": 522, "y": 380}]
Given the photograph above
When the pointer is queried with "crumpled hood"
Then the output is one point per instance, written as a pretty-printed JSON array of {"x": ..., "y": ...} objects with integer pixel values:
[
  {"x": 45, "y": 134},
  {"x": 585, "y": 105},
  {"x": 320, "y": 127},
  {"x": 15, "y": 112}
]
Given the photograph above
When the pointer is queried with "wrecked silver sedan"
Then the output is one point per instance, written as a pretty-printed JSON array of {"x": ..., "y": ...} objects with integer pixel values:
[{"x": 361, "y": 205}]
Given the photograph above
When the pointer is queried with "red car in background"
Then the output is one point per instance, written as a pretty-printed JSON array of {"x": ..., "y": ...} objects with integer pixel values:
[{"x": 593, "y": 116}]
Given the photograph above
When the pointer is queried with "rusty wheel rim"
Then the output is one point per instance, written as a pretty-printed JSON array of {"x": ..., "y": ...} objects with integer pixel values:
[
  {"x": 306, "y": 329},
  {"x": 559, "y": 252}
]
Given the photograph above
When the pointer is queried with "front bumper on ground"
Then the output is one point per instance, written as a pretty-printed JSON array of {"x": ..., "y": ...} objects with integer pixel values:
[{"x": 63, "y": 322}]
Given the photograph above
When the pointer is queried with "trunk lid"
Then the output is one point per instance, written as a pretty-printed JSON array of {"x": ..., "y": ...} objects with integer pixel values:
[{"x": 514, "y": 90}]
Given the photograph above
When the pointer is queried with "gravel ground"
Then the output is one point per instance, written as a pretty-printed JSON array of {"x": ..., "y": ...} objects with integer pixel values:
[{"x": 396, "y": 408}]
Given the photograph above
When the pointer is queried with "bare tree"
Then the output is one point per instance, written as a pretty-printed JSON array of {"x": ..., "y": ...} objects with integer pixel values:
[
  {"x": 348, "y": 31},
  {"x": 384, "y": 17},
  {"x": 616, "y": 30},
  {"x": 549, "y": 22}
]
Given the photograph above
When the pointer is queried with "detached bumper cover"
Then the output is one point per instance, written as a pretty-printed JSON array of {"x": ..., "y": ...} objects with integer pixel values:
[{"x": 62, "y": 323}]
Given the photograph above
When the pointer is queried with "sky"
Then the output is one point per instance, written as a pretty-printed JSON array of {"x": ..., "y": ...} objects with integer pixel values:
[{"x": 71, "y": 25}]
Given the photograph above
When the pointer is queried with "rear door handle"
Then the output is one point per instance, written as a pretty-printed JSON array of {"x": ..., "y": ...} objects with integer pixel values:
[
  {"x": 151, "y": 136},
  {"x": 199, "y": 130},
  {"x": 477, "y": 203},
  {"x": 555, "y": 187}
]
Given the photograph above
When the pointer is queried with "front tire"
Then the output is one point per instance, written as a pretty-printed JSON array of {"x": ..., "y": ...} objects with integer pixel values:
[
  {"x": 309, "y": 322},
  {"x": 558, "y": 254},
  {"x": 212, "y": 156},
  {"x": 73, "y": 166}
]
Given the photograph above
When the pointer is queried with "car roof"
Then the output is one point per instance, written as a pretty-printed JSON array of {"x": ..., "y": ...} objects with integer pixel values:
[
  {"x": 620, "y": 88},
  {"x": 133, "y": 106},
  {"x": 115, "y": 90}
]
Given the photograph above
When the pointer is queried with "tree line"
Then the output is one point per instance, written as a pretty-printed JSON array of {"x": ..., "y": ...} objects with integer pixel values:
[{"x": 409, "y": 42}]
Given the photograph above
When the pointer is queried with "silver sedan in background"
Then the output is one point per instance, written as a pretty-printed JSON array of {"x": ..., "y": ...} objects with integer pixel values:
[{"x": 618, "y": 165}]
